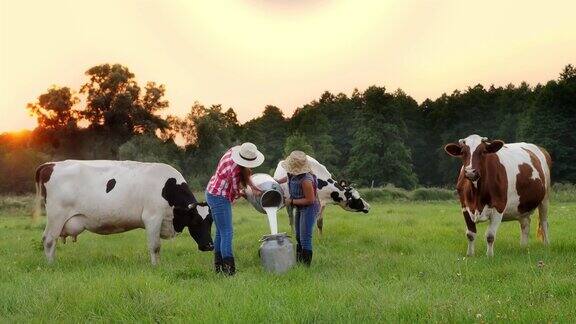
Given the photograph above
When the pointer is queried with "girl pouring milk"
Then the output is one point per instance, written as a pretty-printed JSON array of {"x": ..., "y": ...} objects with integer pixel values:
[
  {"x": 302, "y": 186},
  {"x": 226, "y": 185}
]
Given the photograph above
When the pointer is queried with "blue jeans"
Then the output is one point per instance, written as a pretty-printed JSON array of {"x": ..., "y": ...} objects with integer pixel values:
[
  {"x": 221, "y": 210},
  {"x": 304, "y": 220}
]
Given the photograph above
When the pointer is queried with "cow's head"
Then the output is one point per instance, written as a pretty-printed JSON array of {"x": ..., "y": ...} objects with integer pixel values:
[
  {"x": 198, "y": 219},
  {"x": 349, "y": 198},
  {"x": 472, "y": 151},
  {"x": 189, "y": 213}
]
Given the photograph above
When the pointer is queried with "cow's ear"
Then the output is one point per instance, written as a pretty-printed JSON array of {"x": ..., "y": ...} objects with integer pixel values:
[
  {"x": 494, "y": 146},
  {"x": 453, "y": 149},
  {"x": 344, "y": 183}
]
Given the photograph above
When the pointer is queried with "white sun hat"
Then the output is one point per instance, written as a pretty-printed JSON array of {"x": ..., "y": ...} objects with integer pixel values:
[{"x": 247, "y": 155}]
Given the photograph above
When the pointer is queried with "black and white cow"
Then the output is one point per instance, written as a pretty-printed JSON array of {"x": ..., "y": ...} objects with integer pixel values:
[
  {"x": 329, "y": 192},
  {"x": 107, "y": 197}
]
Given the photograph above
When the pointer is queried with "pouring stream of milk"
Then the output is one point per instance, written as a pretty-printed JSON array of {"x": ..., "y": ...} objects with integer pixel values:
[{"x": 271, "y": 212}]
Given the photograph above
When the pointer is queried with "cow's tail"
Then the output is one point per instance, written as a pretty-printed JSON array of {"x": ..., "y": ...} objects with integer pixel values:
[
  {"x": 542, "y": 233},
  {"x": 38, "y": 199}
]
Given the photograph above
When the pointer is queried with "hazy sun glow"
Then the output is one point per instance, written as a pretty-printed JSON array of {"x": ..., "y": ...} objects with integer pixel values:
[{"x": 246, "y": 54}]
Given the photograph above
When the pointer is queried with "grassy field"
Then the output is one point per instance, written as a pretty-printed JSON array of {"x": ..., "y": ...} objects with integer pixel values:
[{"x": 402, "y": 262}]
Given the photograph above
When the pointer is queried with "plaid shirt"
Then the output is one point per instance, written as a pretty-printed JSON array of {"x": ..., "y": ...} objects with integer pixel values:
[{"x": 226, "y": 179}]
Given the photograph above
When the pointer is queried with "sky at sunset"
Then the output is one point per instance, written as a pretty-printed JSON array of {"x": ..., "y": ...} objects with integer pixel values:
[{"x": 246, "y": 54}]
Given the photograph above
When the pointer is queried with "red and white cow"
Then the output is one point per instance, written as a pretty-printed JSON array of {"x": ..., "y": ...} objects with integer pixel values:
[
  {"x": 502, "y": 182},
  {"x": 107, "y": 197}
]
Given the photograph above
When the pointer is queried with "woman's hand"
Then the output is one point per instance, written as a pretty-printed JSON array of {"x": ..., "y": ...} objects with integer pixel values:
[
  {"x": 255, "y": 190},
  {"x": 288, "y": 201},
  {"x": 242, "y": 193},
  {"x": 281, "y": 180}
]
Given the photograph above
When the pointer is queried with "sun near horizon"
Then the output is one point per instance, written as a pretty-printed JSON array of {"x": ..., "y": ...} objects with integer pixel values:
[{"x": 248, "y": 54}]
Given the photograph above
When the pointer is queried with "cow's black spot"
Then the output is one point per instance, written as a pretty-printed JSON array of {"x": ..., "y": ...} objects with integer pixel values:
[
  {"x": 330, "y": 180},
  {"x": 322, "y": 183},
  {"x": 43, "y": 174},
  {"x": 110, "y": 185},
  {"x": 335, "y": 196}
]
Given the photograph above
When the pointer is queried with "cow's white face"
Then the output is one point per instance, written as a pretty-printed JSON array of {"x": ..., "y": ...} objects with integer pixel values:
[{"x": 472, "y": 150}]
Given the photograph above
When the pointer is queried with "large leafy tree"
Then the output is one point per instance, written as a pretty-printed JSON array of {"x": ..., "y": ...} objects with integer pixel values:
[
  {"x": 379, "y": 153},
  {"x": 57, "y": 131},
  {"x": 116, "y": 103},
  {"x": 54, "y": 110},
  {"x": 117, "y": 108}
]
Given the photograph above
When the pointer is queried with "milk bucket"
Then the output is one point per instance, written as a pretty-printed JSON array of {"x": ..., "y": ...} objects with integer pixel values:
[
  {"x": 271, "y": 193},
  {"x": 277, "y": 253},
  {"x": 269, "y": 200}
]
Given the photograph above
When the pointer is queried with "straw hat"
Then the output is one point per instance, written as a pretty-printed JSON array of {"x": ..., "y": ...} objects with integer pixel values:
[
  {"x": 247, "y": 155},
  {"x": 296, "y": 163}
]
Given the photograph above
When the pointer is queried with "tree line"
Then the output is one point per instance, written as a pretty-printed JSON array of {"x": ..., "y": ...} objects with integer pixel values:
[{"x": 372, "y": 137}]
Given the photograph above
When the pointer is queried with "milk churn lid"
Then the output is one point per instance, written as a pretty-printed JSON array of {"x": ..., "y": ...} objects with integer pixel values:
[{"x": 278, "y": 237}]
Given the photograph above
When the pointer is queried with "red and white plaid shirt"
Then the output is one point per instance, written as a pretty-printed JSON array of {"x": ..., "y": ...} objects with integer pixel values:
[{"x": 226, "y": 179}]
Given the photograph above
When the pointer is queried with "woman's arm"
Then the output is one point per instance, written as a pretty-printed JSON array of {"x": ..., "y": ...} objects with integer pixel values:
[
  {"x": 281, "y": 180},
  {"x": 247, "y": 175},
  {"x": 309, "y": 196}
]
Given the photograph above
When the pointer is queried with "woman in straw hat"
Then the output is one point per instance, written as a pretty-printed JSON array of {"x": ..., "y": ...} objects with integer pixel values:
[
  {"x": 302, "y": 186},
  {"x": 226, "y": 185}
]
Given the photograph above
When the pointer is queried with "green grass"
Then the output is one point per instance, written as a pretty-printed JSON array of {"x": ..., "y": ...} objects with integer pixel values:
[{"x": 402, "y": 262}]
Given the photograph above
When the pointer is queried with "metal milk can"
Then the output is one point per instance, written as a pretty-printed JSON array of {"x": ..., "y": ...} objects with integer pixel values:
[{"x": 277, "y": 253}]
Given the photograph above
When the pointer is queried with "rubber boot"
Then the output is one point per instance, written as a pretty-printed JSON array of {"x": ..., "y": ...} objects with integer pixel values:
[
  {"x": 306, "y": 257},
  {"x": 217, "y": 262},
  {"x": 228, "y": 266},
  {"x": 298, "y": 252}
]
